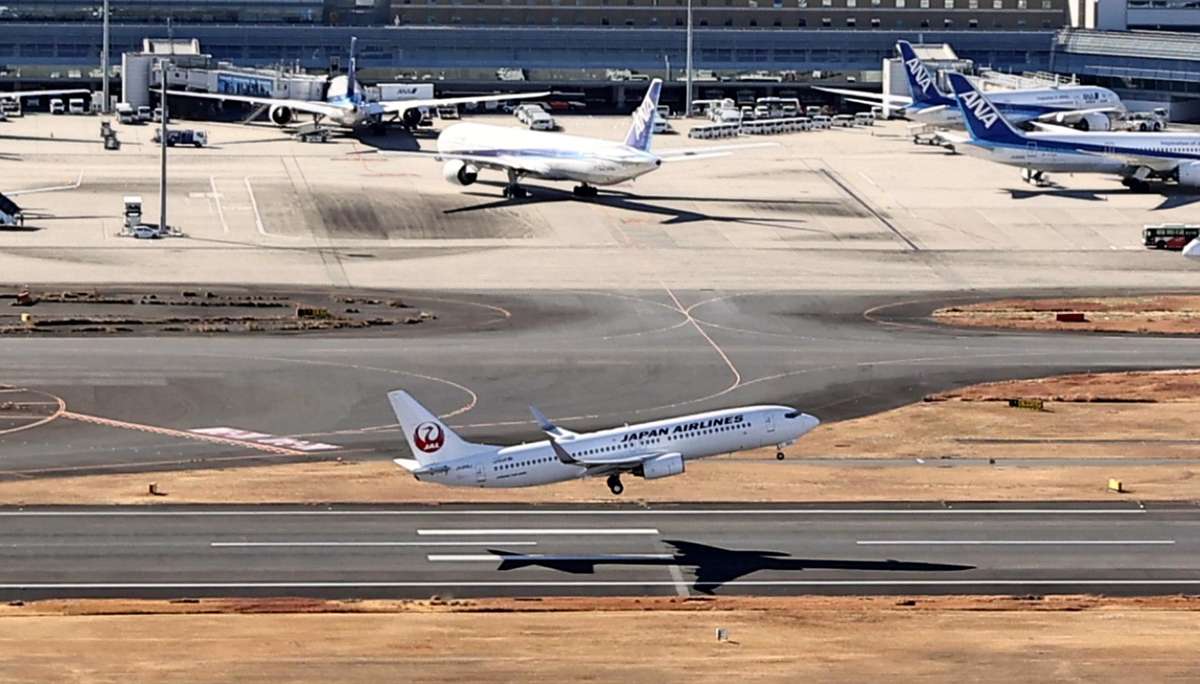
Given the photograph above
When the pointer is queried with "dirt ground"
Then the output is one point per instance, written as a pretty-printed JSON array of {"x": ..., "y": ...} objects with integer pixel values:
[
  {"x": 932, "y": 450},
  {"x": 852, "y": 639},
  {"x": 1163, "y": 314}
]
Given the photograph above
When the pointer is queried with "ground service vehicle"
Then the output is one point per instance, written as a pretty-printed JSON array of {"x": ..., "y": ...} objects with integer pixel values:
[
  {"x": 1170, "y": 235},
  {"x": 57, "y": 106}
]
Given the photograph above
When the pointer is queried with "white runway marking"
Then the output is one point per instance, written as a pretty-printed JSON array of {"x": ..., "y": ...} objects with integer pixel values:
[
  {"x": 216, "y": 195},
  {"x": 543, "y": 531},
  {"x": 49, "y": 586},
  {"x": 1014, "y": 542},
  {"x": 367, "y": 544},
  {"x": 258, "y": 222},
  {"x": 493, "y": 557}
]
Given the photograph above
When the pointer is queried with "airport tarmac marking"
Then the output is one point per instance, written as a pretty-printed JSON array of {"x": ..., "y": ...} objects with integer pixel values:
[
  {"x": 59, "y": 411},
  {"x": 800, "y": 512},
  {"x": 1015, "y": 542},
  {"x": 341, "y": 544},
  {"x": 182, "y": 434},
  {"x": 737, "y": 376},
  {"x": 258, "y": 222},
  {"x": 264, "y": 438},
  {"x": 216, "y": 196},
  {"x": 536, "y": 557},
  {"x": 500, "y": 584},
  {"x": 582, "y": 531}
]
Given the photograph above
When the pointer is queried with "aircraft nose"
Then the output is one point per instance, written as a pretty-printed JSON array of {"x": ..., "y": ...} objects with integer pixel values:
[{"x": 809, "y": 422}]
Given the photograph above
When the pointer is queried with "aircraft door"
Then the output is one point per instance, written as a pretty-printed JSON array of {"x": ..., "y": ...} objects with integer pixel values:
[
  {"x": 770, "y": 423},
  {"x": 480, "y": 473}
]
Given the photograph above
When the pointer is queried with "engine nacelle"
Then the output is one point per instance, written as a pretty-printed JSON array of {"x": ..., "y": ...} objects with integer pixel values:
[
  {"x": 460, "y": 173},
  {"x": 1094, "y": 121},
  {"x": 281, "y": 116},
  {"x": 661, "y": 466},
  {"x": 1188, "y": 174},
  {"x": 412, "y": 117}
]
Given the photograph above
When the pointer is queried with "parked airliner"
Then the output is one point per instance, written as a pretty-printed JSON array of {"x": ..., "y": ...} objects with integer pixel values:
[
  {"x": 1085, "y": 107},
  {"x": 345, "y": 104},
  {"x": 1136, "y": 157},
  {"x": 467, "y": 147},
  {"x": 649, "y": 450}
]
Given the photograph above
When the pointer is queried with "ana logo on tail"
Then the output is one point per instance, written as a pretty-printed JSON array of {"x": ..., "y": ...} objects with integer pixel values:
[
  {"x": 429, "y": 437},
  {"x": 980, "y": 107},
  {"x": 920, "y": 74}
]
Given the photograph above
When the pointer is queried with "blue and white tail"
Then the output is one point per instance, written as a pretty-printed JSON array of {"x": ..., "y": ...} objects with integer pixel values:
[
  {"x": 642, "y": 127},
  {"x": 984, "y": 122},
  {"x": 352, "y": 70},
  {"x": 430, "y": 440},
  {"x": 925, "y": 92}
]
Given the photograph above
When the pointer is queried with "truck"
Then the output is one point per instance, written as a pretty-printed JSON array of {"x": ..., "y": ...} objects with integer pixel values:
[
  {"x": 144, "y": 113},
  {"x": 10, "y": 106},
  {"x": 126, "y": 114},
  {"x": 185, "y": 136},
  {"x": 75, "y": 106},
  {"x": 57, "y": 106}
]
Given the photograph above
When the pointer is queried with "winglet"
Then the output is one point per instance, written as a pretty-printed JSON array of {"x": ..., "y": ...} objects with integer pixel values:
[
  {"x": 546, "y": 426},
  {"x": 562, "y": 454}
]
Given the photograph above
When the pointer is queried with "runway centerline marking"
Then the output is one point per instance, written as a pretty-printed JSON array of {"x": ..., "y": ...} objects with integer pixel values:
[
  {"x": 366, "y": 544},
  {"x": 1015, "y": 542},
  {"x": 582, "y": 531},
  {"x": 536, "y": 557}
]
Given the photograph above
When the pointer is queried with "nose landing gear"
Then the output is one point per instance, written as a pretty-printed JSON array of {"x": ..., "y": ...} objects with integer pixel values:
[
  {"x": 614, "y": 484},
  {"x": 779, "y": 455}
]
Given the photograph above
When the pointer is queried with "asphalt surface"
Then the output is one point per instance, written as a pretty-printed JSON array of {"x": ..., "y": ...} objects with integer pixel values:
[
  {"x": 587, "y": 359},
  {"x": 685, "y": 549}
]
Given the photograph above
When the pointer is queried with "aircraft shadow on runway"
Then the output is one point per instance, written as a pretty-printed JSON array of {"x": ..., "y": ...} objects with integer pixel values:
[
  {"x": 1172, "y": 197},
  {"x": 715, "y": 566},
  {"x": 638, "y": 203}
]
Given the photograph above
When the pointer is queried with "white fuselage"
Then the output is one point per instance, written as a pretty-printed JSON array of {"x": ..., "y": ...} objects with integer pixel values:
[
  {"x": 692, "y": 437},
  {"x": 1020, "y": 106},
  {"x": 1085, "y": 152},
  {"x": 550, "y": 156}
]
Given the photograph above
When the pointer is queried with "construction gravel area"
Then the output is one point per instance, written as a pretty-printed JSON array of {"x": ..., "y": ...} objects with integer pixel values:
[
  {"x": 851, "y": 639},
  {"x": 963, "y": 445},
  {"x": 1158, "y": 314}
]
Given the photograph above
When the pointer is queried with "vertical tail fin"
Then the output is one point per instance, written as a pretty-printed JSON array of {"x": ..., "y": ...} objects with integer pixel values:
[
  {"x": 922, "y": 84},
  {"x": 352, "y": 70},
  {"x": 642, "y": 127},
  {"x": 429, "y": 439},
  {"x": 984, "y": 122}
]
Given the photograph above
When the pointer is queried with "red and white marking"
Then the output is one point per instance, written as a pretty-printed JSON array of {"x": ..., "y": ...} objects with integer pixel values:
[{"x": 265, "y": 438}]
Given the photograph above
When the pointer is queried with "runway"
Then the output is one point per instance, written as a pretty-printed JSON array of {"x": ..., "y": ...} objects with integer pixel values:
[
  {"x": 673, "y": 550},
  {"x": 587, "y": 359}
]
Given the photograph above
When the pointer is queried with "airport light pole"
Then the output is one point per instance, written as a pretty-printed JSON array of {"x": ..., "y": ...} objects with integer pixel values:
[
  {"x": 688, "y": 76},
  {"x": 104, "y": 106},
  {"x": 162, "y": 134}
]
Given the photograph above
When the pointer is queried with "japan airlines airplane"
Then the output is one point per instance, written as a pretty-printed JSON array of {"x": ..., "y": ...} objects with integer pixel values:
[
  {"x": 345, "y": 105},
  {"x": 1085, "y": 107},
  {"x": 648, "y": 450},
  {"x": 467, "y": 147},
  {"x": 1136, "y": 157}
]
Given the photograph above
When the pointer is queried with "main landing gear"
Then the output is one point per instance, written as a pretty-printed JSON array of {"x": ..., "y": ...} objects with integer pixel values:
[
  {"x": 614, "y": 484},
  {"x": 514, "y": 190},
  {"x": 585, "y": 190},
  {"x": 779, "y": 455},
  {"x": 1135, "y": 184},
  {"x": 1034, "y": 177}
]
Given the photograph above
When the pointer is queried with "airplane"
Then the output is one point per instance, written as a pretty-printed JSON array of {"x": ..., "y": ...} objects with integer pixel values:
[
  {"x": 346, "y": 106},
  {"x": 1085, "y": 107},
  {"x": 468, "y": 147},
  {"x": 1192, "y": 250},
  {"x": 648, "y": 450},
  {"x": 1135, "y": 157}
]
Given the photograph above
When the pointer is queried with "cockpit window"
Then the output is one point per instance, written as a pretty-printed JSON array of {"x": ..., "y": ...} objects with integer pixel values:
[{"x": 791, "y": 415}]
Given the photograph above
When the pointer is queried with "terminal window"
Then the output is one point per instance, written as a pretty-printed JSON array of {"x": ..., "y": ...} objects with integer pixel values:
[{"x": 851, "y": 3}]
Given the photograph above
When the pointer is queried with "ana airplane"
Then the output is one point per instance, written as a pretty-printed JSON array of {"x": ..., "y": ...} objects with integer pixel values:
[
  {"x": 466, "y": 148},
  {"x": 1085, "y": 107},
  {"x": 1135, "y": 157},
  {"x": 649, "y": 450},
  {"x": 345, "y": 104}
]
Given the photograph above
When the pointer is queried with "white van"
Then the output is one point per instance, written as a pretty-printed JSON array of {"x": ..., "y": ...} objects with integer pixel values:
[
  {"x": 804, "y": 123},
  {"x": 57, "y": 106},
  {"x": 75, "y": 106},
  {"x": 842, "y": 120},
  {"x": 820, "y": 122},
  {"x": 525, "y": 111},
  {"x": 864, "y": 119},
  {"x": 539, "y": 120}
]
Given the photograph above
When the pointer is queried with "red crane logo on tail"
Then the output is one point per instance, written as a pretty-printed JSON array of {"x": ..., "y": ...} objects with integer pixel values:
[{"x": 429, "y": 437}]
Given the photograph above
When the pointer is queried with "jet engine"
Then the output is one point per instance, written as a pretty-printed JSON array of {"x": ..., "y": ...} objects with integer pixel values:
[
  {"x": 460, "y": 173},
  {"x": 1094, "y": 121},
  {"x": 661, "y": 466},
  {"x": 1188, "y": 174},
  {"x": 280, "y": 116},
  {"x": 412, "y": 117}
]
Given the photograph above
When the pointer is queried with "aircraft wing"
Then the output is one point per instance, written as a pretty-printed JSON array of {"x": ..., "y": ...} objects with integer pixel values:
[
  {"x": 694, "y": 153},
  {"x": 306, "y": 106},
  {"x": 619, "y": 462},
  {"x": 52, "y": 188},
  {"x": 1135, "y": 160},
  {"x": 869, "y": 98},
  {"x": 16, "y": 94},
  {"x": 1074, "y": 114},
  {"x": 1192, "y": 250},
  {"x": 400, "y": 106},
  {"x": 554, "y": 431},
  {"x": 498, "y": 163}
]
